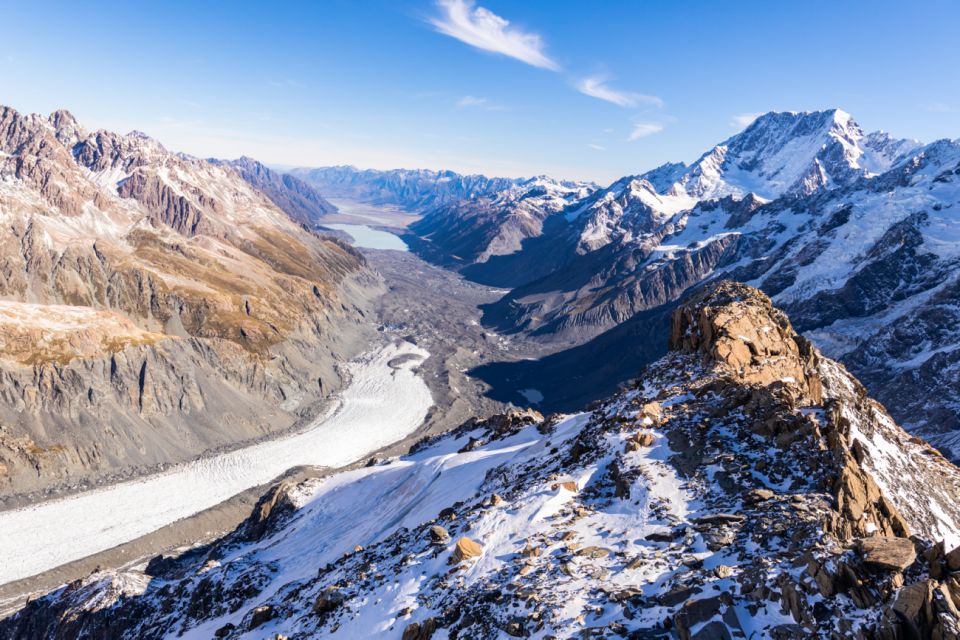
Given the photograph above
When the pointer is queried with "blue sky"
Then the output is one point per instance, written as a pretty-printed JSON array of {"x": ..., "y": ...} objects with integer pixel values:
[{"x": 578, "y": 90}]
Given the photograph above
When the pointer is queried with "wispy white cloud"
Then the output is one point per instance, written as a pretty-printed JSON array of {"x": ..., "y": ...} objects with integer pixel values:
[
  {"x": 481, "y": 28},
  {"x": 473, "y": 102},
  {"x": 596, "y": 87},
  {"x": 939, "y": 107},
  {"x": 287, "y": 82},
  {"x": 644, "y": 129},
  {"x": 596, "y": 147},
  {"x": 744, "y": 119}
]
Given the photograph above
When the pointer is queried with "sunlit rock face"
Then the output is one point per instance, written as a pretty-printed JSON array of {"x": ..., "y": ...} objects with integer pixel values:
[{"x": 162, "y": 295}]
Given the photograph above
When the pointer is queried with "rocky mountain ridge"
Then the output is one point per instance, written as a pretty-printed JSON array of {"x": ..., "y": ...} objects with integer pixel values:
[
  {"x": 853, "y": 233},
  {"x": 471, "y": 231},
  {"x": 179, "y": 309},
  {"x": 743, "y": 486}
]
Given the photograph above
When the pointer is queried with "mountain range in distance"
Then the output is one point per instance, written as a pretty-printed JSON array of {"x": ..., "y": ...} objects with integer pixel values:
[{"x": 851, "y": 232}]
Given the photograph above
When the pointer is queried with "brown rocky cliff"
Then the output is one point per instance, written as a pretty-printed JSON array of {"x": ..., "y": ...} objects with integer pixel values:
[
  {"x": 737, "y": 326},
  {"x": 740, "y": 332}
]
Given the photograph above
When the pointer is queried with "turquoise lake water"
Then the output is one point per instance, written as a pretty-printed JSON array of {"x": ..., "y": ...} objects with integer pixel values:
[{"x": 367, "y": 237}]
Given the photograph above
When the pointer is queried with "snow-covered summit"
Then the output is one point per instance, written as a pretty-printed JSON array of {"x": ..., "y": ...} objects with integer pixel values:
[{"x": 790, "y": 153}]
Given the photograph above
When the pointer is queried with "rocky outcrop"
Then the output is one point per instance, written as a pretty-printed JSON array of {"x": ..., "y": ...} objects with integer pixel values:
[
  {"x": 759, "y": 505},
  {"x": 267, "y": 513},
  {"x": 885, "y": 553},
  {"x": 737, "y": 326},
  {"x": 466, "y": 549},
  {"x": 166, "y": 205}
]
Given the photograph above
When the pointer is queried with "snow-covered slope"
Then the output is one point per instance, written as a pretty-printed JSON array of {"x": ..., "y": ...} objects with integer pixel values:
[
  {"x": 855, "y": 234},
  {"x": 471, "y": 231},
  {"x": 743, "y": 487}
]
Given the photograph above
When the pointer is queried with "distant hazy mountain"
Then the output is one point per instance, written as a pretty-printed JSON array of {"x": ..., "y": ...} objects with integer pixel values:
[
  {"x": 412, "y": 189},
  {"x": 299, "y": 200},
  {"x": 470, "y": 231}
]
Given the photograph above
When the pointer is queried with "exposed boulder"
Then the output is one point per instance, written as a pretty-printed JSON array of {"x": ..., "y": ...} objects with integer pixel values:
[
  {"x": 328, "y": 601},
  {"x": 466, "y": 549},
  {"x": 260, "y": 616},
  {"x": 439, "y": 535},
  {"x": 893, "y": 554},
  {"x": 651, "y": 413}
]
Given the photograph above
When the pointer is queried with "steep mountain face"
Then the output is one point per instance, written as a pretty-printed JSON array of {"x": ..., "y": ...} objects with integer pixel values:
[
  {"x": 854, "y": 234},
  {"x": 411, "y": 189},
  {"x": 467, "y": 232},
  {"x": 780, "y": 154},
  {"x": 744, "y": 486},
  {"x": 295, "y": 197},
  {"x": 772, "y": 160},
  {"x": 154, "y": 306},
  {"x": 791, "y": 154}
]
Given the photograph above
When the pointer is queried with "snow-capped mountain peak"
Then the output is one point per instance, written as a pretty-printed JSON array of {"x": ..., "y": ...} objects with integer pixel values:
[
  {"x": 68, "y": 130},
  {"x": 780, "y": 153}
]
